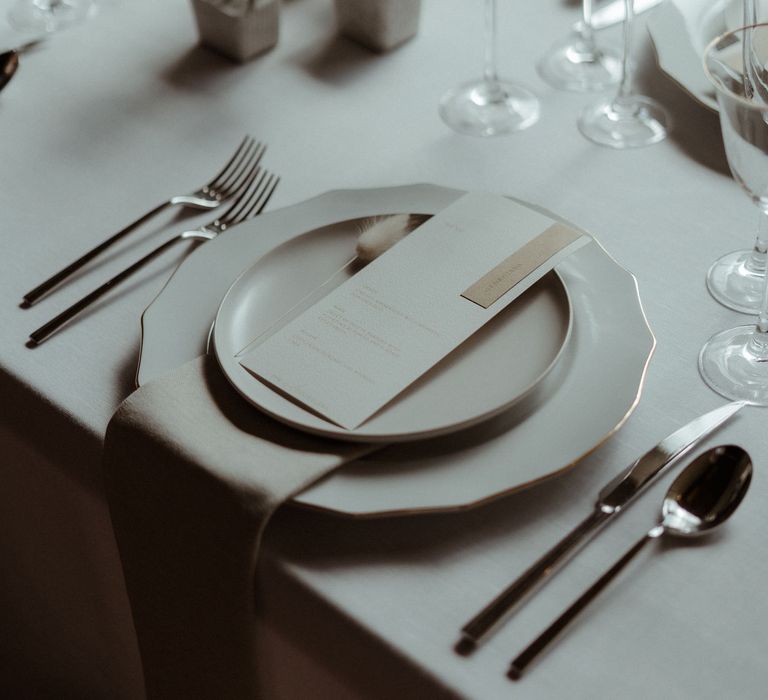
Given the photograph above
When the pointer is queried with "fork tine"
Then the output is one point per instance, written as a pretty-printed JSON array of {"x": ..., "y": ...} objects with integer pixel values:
[
  {"x": 265, "y": 201},
  {"x": 228, "y": 185},
  {"x": 233, "y": 214},
  {"x": 236, "y": 186},
  {"x": 240, "y": 195},
  {"x": 261, "y": 200},
  {"x": 233, "y": 182},
  {"x": 214, "y": 182}
]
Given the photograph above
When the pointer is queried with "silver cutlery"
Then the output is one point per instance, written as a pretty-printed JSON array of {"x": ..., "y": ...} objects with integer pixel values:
[
  {"x": 9, "y": 61},
  {"x": 612, "y": 500},
  {"x": 255, "y": 189},
  {"x": 615, "y": 11},
  {"x": 703, "y": 497},
  {"x": 223, "y": 186}
]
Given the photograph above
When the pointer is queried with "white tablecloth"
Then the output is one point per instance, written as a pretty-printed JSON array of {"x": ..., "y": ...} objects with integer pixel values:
[{"x": 111, "y": 117}]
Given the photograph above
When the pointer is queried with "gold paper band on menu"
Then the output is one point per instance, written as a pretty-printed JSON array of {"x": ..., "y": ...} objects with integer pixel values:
[{"x": 496, "y": 283}]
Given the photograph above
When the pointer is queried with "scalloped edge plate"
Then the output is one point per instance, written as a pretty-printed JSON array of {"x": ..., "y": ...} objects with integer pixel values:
[{"x": 580, "y": 404}]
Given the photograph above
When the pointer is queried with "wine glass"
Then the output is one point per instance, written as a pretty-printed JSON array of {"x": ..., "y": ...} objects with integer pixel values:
[
  {"x": 736, "y": 279},
  {"x": 489, "y": 106},
  {"x": 47, "y": 15},
  {"x": 627, "y": 120},
  {"x": 735, "y": 362},
  {"x": 578, "y": 63}
]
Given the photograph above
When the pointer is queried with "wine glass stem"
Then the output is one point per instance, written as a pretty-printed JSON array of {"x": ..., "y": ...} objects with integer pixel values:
[
  {"x": 625, "y": 87},
  {"x": 749, "y": 17},
  {"x": 757, "y": 261},
  {"x": 586, "y": 30},
  {"x": 758, "y": 342},
  {"x": 489, "y": 73},
  {"x": 762, "y": 320}
]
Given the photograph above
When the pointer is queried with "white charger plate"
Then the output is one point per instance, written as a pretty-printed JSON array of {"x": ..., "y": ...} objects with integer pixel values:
[
  {"x": 487, "y": 374},
  {"x": 681, "y": 30},
  {"x": 589, "y": 394}
]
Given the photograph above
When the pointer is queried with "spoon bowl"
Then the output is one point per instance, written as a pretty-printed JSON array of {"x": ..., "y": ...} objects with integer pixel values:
[{"x": 707, "y": 492}]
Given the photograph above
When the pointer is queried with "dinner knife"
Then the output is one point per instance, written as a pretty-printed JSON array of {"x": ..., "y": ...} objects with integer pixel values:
[
  {"x": 615, "y": 11},
  {"x": 611, "y": 501}
]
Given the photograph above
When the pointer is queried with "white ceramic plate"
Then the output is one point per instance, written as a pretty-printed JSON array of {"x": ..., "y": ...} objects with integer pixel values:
[
  {"x": 681, "y": 30},
  {"x": 591, "y": 391},
  {"x": 502, "y": 363}
]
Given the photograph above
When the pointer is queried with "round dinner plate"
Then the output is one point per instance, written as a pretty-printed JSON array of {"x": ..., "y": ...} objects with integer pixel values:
[
  {"x": 488, "y": 373},
  {"x": 585, "y": 398}
]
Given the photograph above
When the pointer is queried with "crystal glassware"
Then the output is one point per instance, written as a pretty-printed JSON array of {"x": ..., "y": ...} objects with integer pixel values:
[
  {"x": 578, "y": 63},
  {"x": 489, "y": 106},
  {"x": 627, "y": 120},
  {"x": 736, "y": 279},
  {"x": 47, "y": 15},
  {"x": 735, "y": 362}
]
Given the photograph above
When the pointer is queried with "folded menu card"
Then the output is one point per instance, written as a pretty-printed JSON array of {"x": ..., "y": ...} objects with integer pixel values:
[{"x": 352, "y": 352}]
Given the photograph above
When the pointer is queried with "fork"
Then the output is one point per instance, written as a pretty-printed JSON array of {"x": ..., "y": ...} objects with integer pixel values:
[
  {"x": 254, "y": 193},
  {"x": 221, "y": 187}
]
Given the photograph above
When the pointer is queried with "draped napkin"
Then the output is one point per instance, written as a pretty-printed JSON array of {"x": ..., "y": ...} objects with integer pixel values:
[{"x": 193, "y": 474}]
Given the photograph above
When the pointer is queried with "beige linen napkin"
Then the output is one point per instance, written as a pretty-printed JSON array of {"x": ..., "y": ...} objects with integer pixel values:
[{"x": 193, "y": 474}]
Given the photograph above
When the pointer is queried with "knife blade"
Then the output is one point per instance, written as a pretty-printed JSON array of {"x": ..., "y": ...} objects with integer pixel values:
[
  {"x": 615, "y": 11},
  {"x": 611, "y": 501}
]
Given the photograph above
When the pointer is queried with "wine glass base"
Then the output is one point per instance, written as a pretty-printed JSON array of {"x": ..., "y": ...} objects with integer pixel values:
[
  {"x": 572, "y": 66},
  {"x": 33, "y": 17},
  {"x": 729, "y": 367},
  {"x": 625, "y": 122},
  {"x": 489, "y": 109},
  {"x": 734, "y": 285}
]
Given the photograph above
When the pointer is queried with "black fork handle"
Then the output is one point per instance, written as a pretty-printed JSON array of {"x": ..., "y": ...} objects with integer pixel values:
[
  {"x": 38, "y": 336},
  {"x": 42, "y": 289}
]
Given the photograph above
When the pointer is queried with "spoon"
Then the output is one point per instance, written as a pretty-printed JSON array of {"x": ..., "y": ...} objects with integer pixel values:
[
  {"x": 9, "y": 61},
  {"x": 704, "y": 496}
]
